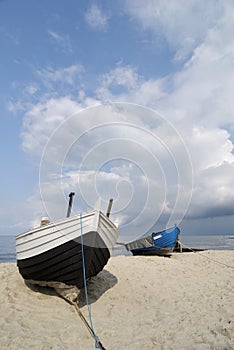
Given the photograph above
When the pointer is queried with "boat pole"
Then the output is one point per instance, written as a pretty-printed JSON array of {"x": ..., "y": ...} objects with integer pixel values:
[
  {"x": 109, "y": 207},
  {"x": 70, "y": 203}
]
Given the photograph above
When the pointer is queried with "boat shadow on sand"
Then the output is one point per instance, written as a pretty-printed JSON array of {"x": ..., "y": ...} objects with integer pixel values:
[{"x": 96, "y": 287}]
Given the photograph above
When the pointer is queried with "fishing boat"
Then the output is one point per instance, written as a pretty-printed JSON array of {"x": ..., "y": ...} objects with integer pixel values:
[
  {"x": 66, "y": 253},
  {"x": 155, "y": 243}
]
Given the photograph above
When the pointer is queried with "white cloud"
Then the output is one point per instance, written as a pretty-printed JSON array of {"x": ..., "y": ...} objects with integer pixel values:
[
  {"x": 182, "y": 23},
  {"x": 201, "y": 93},
  {"x": 197, "y": 101},
  {"x": 212, "y": 194},
  {"x": 125, "y": 84},
  {"x": 41, "y": 120},
  {"x": 110, "y": 150},
  {"x": 31, "y": 89},
  {"x": 96, "y": 18},
  {"x": 63, "y": 41},
  {"x": 119, "y": 81},
  {"x": 66, "y": 75},
  {"x": 15, "y": 106},
  {"x": 210, "y": 148},
  {"x": 126, "y": 77}
]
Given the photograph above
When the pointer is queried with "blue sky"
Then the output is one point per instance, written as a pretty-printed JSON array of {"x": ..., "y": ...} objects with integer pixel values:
[{"x": 164, "y": 152}]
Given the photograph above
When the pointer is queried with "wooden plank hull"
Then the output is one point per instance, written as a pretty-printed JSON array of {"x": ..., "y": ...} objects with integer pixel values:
[
  {"x": 54, "y": 253},
  {"x": 159, "y": 243},
  {"x": 64, "y": 263},
  {"x": 160, "y": 252}
]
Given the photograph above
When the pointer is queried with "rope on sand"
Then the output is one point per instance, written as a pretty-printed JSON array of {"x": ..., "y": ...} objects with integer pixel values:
[
  {"x": 98, "y": 344},
  {"x": 207, "y": 257},
  {"x": 90, "y": 327}
]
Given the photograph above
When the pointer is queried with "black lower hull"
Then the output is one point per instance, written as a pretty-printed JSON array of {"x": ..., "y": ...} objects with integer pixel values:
[
  {"x": 161, "y": 252},
  {"x": 65, "y": 263}
]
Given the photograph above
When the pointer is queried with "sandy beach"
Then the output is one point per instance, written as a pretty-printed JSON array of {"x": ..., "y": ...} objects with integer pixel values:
[{"x": 185, "y": 302}]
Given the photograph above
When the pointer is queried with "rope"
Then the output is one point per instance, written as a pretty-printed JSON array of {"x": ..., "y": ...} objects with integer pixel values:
[
  {"x": 98, "y": 344},
  {"x": 204, "y": 256}
]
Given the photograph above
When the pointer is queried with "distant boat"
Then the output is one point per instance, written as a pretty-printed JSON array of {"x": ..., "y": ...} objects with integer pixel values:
[
  {"x": 156, "y": 243},
  {"x": 53, "y": 254}
]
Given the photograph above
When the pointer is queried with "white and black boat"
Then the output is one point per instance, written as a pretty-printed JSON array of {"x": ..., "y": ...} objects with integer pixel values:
[{"x": 56, "y": 253}]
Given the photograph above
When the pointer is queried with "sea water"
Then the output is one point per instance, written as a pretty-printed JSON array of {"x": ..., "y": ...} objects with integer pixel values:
[
  {"x": 7, "y": 249},
  {"x": 218, "y": 242}
]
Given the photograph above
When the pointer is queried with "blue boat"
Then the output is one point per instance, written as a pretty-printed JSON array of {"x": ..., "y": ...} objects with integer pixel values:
[{"x": 155, "y": 243}]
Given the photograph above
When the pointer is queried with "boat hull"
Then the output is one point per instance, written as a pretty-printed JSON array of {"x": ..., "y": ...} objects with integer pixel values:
[
  {"x": 160, "y": 243},
  {"x": 153, "y": 251},
  {"x": 55, "y": 253},
  {"x": 65, "y": 263}
]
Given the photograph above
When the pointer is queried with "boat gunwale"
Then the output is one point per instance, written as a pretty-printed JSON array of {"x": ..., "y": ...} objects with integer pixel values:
[
  {"x": 55, "y": 223},
  {"x": 153, "y": 233},
  {"x": 23, "y": 241}
]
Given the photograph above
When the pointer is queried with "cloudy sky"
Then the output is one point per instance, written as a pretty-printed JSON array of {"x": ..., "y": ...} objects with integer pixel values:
[{"x": 126, "y": 99}]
